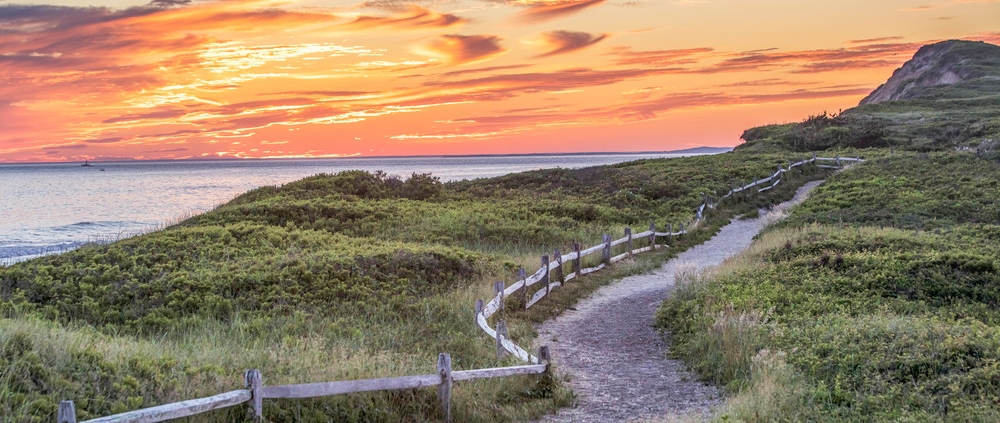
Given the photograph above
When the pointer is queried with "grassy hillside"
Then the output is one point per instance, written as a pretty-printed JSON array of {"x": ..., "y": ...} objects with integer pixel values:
[
  {"x": 877, "y": 300},
  {"x": 332, "y": 277},
  {"x": 965, "y": 114}
]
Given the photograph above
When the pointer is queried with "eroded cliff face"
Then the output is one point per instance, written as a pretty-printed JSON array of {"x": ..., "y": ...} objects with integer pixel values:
[{"x": 944, "y": 63}]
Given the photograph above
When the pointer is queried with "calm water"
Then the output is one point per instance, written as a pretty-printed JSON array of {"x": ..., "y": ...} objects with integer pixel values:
[{"x": 51, "y": 208}]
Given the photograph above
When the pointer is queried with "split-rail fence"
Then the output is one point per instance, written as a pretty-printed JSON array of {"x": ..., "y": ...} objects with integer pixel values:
[{"x": 552, "y": 274}]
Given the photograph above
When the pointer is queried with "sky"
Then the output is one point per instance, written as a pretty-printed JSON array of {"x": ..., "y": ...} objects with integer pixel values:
[{"x": 105, "y": 80}]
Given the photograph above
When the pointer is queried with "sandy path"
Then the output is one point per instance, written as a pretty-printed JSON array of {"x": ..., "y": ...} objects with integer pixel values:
[{"x": 612, "y": 331}]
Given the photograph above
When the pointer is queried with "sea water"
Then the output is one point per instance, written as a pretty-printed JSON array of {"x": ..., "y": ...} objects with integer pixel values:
[{"x": 52, "y": 208}]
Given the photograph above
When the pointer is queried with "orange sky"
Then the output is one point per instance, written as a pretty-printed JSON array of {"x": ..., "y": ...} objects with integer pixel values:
[{"x": 175, "y": 79}]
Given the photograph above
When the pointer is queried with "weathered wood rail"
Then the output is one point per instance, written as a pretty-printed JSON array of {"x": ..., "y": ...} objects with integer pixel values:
[
  {"x": 255, "y": 392},
  {"x": 551, "y": 273}
]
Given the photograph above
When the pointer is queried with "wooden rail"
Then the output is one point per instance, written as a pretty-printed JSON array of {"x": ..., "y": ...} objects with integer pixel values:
[
  {"x": 255, "y": 392},
  {"x": 483, "y": 311}
]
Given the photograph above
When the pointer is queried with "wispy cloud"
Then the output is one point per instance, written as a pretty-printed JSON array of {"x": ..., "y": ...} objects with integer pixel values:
[
  {"x": 414, "y": 17},
  {"x": 545, "y": 10},
  {"x": 456, "y": 49},
  {"x": 561, "y": 42}
]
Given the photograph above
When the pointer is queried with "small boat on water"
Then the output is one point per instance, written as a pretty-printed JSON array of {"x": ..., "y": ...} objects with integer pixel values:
[{"x": 86, "y": 163}]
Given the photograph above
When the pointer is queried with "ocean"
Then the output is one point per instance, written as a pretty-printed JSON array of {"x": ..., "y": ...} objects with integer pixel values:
[{"x": 53, "y": 208}]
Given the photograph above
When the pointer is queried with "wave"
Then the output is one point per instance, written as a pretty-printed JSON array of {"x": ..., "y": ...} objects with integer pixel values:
[
  {"x": 33, "y": 243},
  {"x": 10, "y": 254}
]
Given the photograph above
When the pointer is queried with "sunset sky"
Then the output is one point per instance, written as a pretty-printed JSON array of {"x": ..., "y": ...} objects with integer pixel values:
[{"x": 174, "y": 79}]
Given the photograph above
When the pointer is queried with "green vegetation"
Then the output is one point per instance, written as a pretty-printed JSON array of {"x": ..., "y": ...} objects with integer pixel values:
[
  {"x": 965, "y": 114},
  {"x": 334, "y": 277},
  {"x": 878, "y": 299}
]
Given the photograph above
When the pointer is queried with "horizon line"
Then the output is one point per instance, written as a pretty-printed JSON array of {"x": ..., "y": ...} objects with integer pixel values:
[{"x": 359, "y": 156}]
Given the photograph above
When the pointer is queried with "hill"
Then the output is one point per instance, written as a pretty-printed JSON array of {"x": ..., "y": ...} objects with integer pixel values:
[
  {"x": 947, "y": 96},
  {"x": 941, "y": 68}
]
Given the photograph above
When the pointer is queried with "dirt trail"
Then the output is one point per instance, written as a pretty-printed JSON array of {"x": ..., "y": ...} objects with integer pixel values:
[{"x": 616, "y": 362}]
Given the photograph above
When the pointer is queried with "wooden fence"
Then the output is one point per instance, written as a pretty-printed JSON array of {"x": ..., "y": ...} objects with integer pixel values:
[
  {"x": 550, "y": 275},
  {"x": 254, "y": 392}
]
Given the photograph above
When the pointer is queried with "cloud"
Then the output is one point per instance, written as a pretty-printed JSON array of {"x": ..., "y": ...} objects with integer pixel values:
[
  {"x": 650, "y": 109},
  {"x": 414, "y": 17},
  {"x": 875, "y": 40},
  {"x": 855, "y": 57},
  {"x": 989, "y": 37},
  {"x": 457, "y": 49},
  {"x": 109, "y": 140},
  {"x": 547, "y": 81},
  {"x": 63, "y": 147},
  {"x": 770, "y": 82},
  {"x": 162, "y": 114},
  {"x": 919, "y": 8},
  {"x": 545, "y": 10},
  {"x": 486, "y": 69},
  {"x": 518, "y": 121},
  {"x": 169, "y": 3},
  {"x": 561, "y": 42},
  {"x": 628, "y": 57},
  {"x": 840, "y": 65}
]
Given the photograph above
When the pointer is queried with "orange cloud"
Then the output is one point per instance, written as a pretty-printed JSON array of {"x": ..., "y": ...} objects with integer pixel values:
[
  {"x": 414, "y": 17},
  {"x": 457, "y": 49},
  {"x": 544, "y": 10},
  {"x": 561, "y": 42}
]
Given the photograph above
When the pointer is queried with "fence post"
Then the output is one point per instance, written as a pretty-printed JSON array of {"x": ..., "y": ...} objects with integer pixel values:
[
  {"x": 652, "y": 236},
  {"x": 254, "y": 382},
  {"x": 838, "y": 160},
  {"x": 557, "y": 256},
  {"x": 479, "y": 308},
  {"x": 444, "y": 389},
  {"x": 606, "y": 252},
  {"x": 680, "y": 230},
  {"x": 670, "y": 234},
  {"x": 628, "y": 240},
  {"x": 578, "y": 260},
  {"x": 66, "y": 413},
  {"x": 523, "y": 276},
  {"x": 501, "y": 335},
  {"x": 498, "y": 290},
  {"x": 544, "y": 357},
  {"x": 545, "y": 274}
]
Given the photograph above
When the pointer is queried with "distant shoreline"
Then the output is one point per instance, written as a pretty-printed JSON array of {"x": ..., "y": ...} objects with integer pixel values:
[{"x": 693, "y": 150}]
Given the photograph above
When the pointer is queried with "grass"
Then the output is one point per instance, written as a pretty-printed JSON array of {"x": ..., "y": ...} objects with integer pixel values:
[
  {"x": 878, "y": 299},
  {"x": 334, "y": 277}
]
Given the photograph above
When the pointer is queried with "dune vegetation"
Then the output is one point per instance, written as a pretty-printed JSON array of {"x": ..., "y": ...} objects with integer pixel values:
[
  {"x": 877, "y": 299},
  {"x": 335, "y": 277}
]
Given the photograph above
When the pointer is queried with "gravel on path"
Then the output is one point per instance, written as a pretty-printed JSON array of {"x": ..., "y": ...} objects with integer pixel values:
[{"x": 616, "y": 362}]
